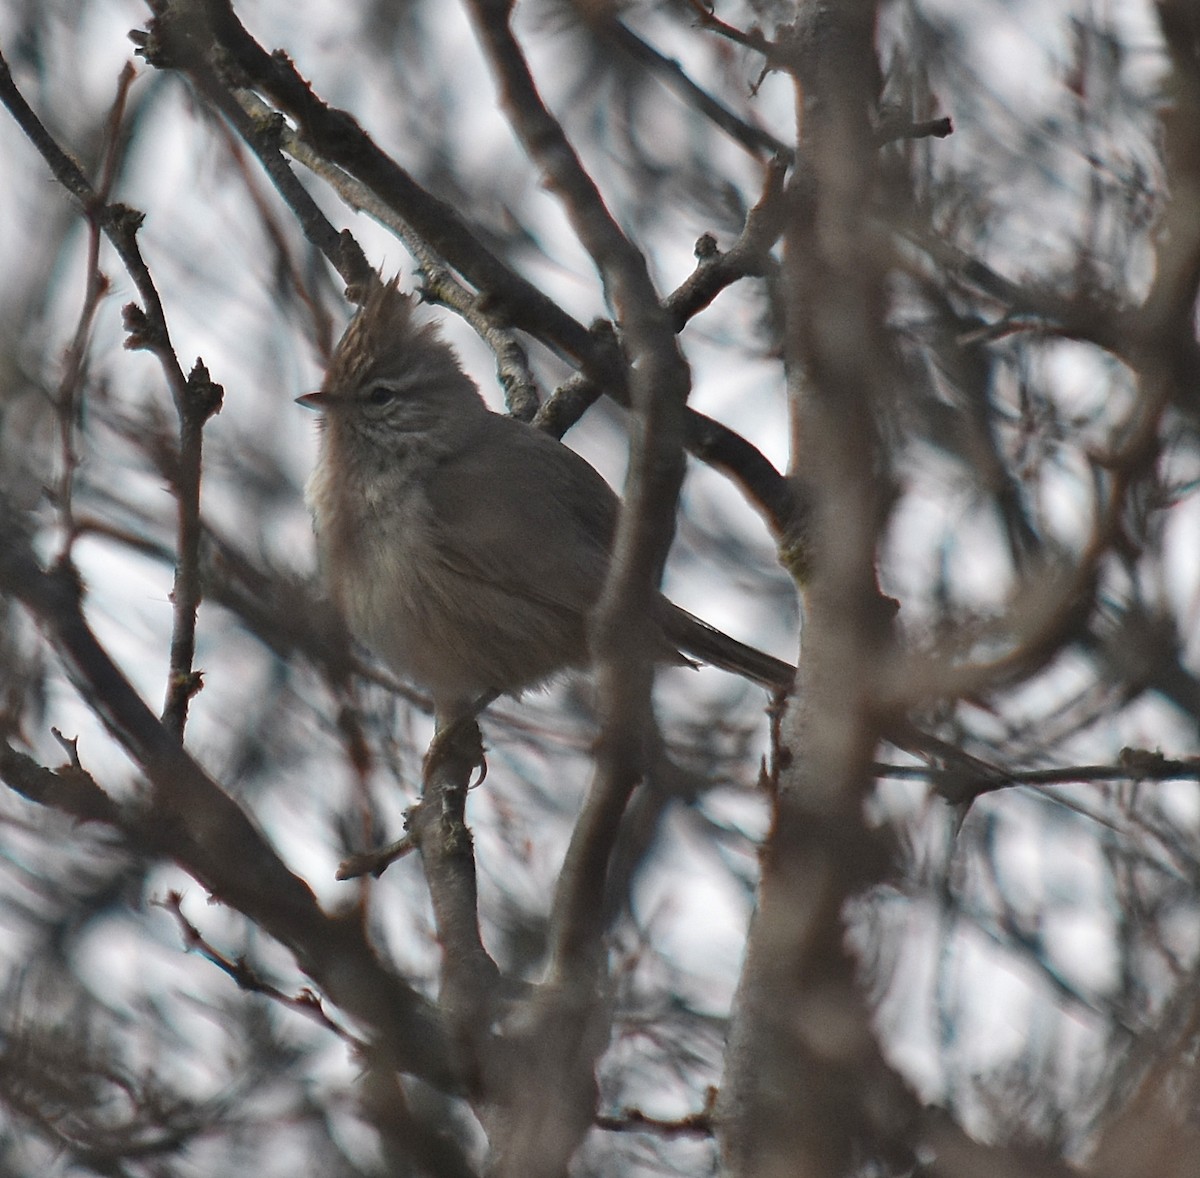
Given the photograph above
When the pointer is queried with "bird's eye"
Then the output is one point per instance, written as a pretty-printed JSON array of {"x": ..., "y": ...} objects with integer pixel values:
[{"x": 381, "y": 395}]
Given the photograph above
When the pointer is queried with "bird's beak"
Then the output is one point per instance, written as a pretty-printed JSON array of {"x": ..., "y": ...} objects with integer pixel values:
[{"x": 319, "y": 400}]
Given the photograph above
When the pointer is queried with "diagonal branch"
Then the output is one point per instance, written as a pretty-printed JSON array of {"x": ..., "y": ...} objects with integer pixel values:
[
  {"x": 753, "y": 138},
  {"x": 192, "y": 821},
  {"x": 247, "y": 112},
  {"x": 183, "y": 35},
  {"x": 264, "y": 131}
]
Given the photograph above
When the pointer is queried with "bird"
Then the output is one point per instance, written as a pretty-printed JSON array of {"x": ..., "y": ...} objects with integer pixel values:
[{"x": 465, "y": 548}]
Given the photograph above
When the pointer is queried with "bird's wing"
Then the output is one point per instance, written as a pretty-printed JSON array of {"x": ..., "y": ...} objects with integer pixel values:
[{"x": 523, "y": 513}]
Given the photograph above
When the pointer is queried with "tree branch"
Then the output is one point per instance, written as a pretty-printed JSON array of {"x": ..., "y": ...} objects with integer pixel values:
[
  {"x": 806, "y": 1088},
  {"x": 438, "y": 828},
  {"x": 195, "y": 396},
  {"x": 192, "y": 821},
  {"x": 708, "y": 440},
  {"x": 552, "y": 1118},
  {"x": 439, "y": 283},
  {"x": 188, "y": 30},
  {"x": 754, "y": 139}
]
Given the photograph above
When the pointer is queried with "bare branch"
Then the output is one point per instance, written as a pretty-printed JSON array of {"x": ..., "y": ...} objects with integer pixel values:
[
  {"x": 567, "y": 1014},
  {"x": 710, "y": 441},
  {"x": 750, "y": 39},
  {"x": 180, "y": 33},
  {"x": 70, "y": 387},
  {"x": 195, "y": 396},
  {"x": 70, "y": 789},
  {"x": 658, "y": 388},
  {"x": 753, "y": 138},
  {"x": 806, "y": 1087},
  {"x": 246, "y": 978},
  {"x": 264, "y": 130},
  {"x": 439, "y": 284},
  {"x": 202, "y": 829}
]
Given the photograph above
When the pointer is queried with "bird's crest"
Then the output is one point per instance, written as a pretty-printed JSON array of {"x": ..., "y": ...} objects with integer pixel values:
[{"x": 382, "y": 338}]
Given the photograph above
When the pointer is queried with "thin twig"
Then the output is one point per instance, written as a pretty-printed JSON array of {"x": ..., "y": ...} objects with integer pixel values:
[
  {"x": 749, "y": 256},
  {"x": 247, "y": 978},
  {"x": 633, "y": 1120},
  {"x": 708, "y": 440},
  {"x": 749, "y": 39},
  {"x": 957, "y": 785},
  {"x": 902, "y": 128},
  {"x": 119, "y": 223},
  {"x": 70, "y": 789},
  {"x": 201, "y": 400},
  {"x": 70, "y": 387},
  {"x": 289, "y": 276},
  {"x": 754, "y": 139},
  {"x": 264, "y": 130},
  {"x": 376, "y": 861}
]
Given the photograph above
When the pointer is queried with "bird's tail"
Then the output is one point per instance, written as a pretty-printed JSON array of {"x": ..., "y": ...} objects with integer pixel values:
[{"x": 710, "y": 645}]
